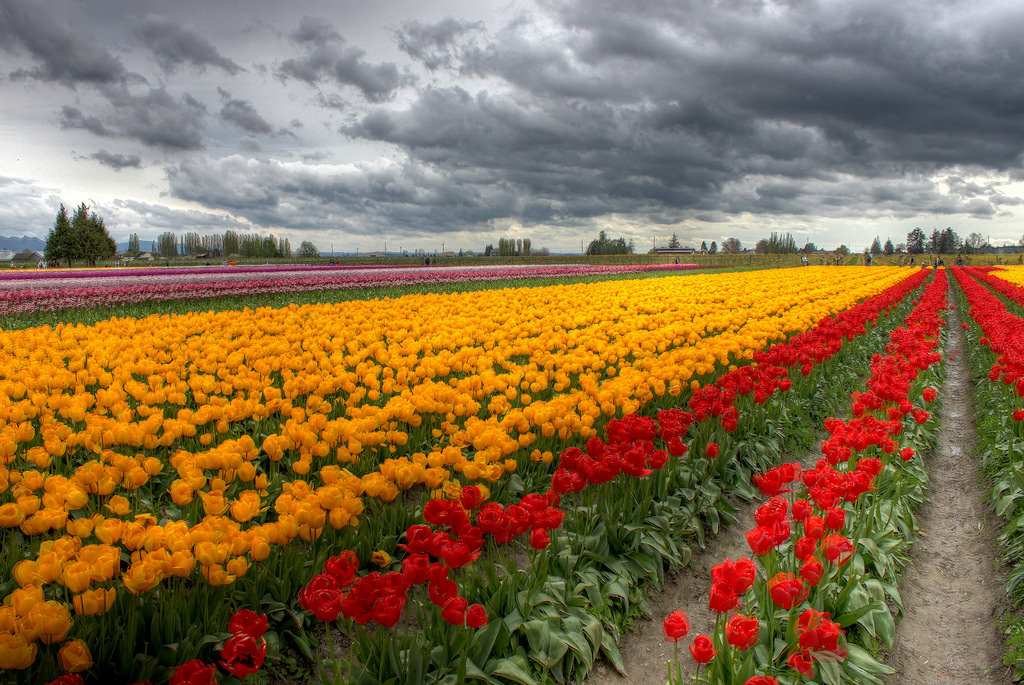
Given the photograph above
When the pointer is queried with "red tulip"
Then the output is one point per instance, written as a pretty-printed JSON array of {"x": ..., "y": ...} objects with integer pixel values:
[
  {"x": 805, "y": 547},
  {"x": 68, "y": 679},
  {"x": 801, "y": 663},
  {"x": 702, "y": 649},
  {"x": 248, "y": 622},
  {"x": 738, "y": 574},
  {"x": 387, "y": 610},
  {"x": 539, "y": 538},
  {"x": 812, "y": 571},
  {"x": 471, "y": 497},
  {"x": 835, "y": 518},
  {"x": 814, "y": 527},
  {"x": 194, "y": 672},
  {"x": 458, "y": 554},
  {"x": 343, "y": 566},
  {"x": 761, "y": 540},
  {"x": 711, "y": 450},
  {"x": 243, "y": 655},
  {"x": 836, "y": 548},
  {"x": 415, "y": 567},
  {"x": 723, "y": 598},
  {"x": 676, "y": 626},
  {"x": 454, "y": 611},
  {"x": 929, "y": 394},
  {"x": 742, "y": 631},
  {"x": 476, "y": 616},
  {"x": 761, "y": 680},
  {"x": 786, "y": 590},
  {"x": 441, "y": 590}
]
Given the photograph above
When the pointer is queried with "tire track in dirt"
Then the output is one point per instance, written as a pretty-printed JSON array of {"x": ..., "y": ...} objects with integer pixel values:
[{"x": 954, "y": 590}]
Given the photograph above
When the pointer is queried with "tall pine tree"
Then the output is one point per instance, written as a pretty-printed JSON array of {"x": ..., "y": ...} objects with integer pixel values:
[
  {"x": 60, "y": 243},
  {"x": 91, "y": 240}
]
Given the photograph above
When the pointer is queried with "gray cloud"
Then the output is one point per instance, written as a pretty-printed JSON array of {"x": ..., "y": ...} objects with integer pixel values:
[
  {"x": 435, "y": 45},
  {"x": 61, "y": 53},
  {"x": 174, "y": 46},
  {"x": 154, "y": 118},
  {"x": 116, "y": 160},
  {"x": 243, "y": 114},
  {"x": 570, "y": 114},
  {"x": 327, "y": 59},
  {"x": 72, "y": 117},
  {"x": 316, "y": 31}
]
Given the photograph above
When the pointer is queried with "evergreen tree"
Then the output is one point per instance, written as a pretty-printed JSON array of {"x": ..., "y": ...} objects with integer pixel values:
[
  {"x": 876, "y": 246},
  {"x": 949, "y": 242},
  {"x": 60, "y": 241},
  {"x": 915, "y": 241},
  {"x": 133, "y": 243},
  {"x": 935, "y": 242},
  {"x": 90, "y": 237},
  {"x": 714, "y": 248},
  {"x": 703, "y": 246},
  {"x": 673, "y": 242},
  {"x": 888, "y": 248}
]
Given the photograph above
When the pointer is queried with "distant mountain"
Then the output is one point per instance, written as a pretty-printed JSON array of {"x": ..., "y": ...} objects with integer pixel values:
[{"x": 25, "y": 242}]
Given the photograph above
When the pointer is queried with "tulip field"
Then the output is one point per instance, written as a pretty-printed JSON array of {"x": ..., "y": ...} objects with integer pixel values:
[{"x": 482, "y": 485}]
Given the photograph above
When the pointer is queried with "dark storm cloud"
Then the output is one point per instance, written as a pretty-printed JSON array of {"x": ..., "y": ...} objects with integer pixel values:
[
  {"x": 667, "y": 107},
  {"x": 72, "y": 117},
  {"x": 327, "y": 59},
  {"x": 434, "y": 44},
  {"x": 174, "y": 46},
  {"x": 60, "y": 53},
  {"x": 116, "y": 160},
  {"x": 154, "y": 118},
  {"x": 399, "y": 199},
  {"x": 243, "y": 114}
]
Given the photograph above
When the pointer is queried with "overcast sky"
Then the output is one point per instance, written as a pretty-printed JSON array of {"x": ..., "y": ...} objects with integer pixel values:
[{"x": 458, "y": 122}]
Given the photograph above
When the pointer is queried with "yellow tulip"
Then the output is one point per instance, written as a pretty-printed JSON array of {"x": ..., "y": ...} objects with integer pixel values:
[
  {"x": 95, "y": 601},
  {"x": 16, "y": 653}
]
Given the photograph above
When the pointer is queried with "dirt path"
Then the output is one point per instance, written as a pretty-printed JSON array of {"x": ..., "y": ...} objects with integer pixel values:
[
  {"x": 953, "y": 591},
  {"x": 645, "y": 652}
]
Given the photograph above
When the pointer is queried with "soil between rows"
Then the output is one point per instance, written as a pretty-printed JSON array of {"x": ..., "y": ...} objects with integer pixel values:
[{"x": 953, "y": 591}]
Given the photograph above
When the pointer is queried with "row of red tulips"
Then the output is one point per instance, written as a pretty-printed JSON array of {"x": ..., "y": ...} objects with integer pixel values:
[{"x": 819, "y": 560}]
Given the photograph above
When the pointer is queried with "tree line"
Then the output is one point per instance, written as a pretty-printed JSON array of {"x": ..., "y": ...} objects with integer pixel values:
[{"x": 252, "y": 245}]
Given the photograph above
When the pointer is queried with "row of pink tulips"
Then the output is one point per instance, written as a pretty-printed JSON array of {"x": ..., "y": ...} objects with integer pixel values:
[{"x": 30, "y": 300}]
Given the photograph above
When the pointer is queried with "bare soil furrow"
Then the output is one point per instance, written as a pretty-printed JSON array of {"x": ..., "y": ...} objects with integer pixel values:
[{"x": 953, "y": 592}]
